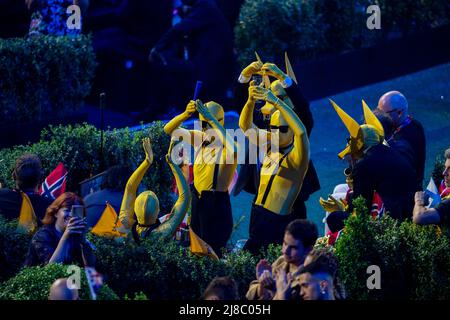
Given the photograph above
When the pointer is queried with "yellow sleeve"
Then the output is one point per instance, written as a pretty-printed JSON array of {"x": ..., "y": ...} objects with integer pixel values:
[
  {"x": 179, "y": 209},
  {"x": 172, "y": 128},
  {"x": 126, "y": 215},
  {"x": 246, "y": 123},
  {"x": 300, "y": 154}
]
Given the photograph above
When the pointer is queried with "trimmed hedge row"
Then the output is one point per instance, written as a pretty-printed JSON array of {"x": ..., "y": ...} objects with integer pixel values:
[
  {"x": 307, "y": 28},
  {"x": 78, "y": 148},
  {"x": 44, "y": 76},
  {"x": 34, "y": 284},
  {"x": 414, "y": 260}
]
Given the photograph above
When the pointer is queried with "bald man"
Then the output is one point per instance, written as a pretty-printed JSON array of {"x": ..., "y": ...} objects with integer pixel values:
[
  {"x": 406, "y": 129},
  {"x": 60, "y": 291}
]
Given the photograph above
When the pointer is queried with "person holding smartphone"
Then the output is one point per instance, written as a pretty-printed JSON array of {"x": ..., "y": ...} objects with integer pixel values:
[{"x": 62, "y": 239}]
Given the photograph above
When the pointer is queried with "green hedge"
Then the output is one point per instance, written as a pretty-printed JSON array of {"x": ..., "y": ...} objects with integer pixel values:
[
  {"x": 165, "y": 270},
  {"x": 306, "y": 28},
  {"x": 414, "y": 260},
  {"x": 44, "y": 76},
  {"x": 78, "y": 147},
  {"x": 34, "y": 284},
  {"x": 13, "y": 248},
  {"x": 272, "y": 27}
]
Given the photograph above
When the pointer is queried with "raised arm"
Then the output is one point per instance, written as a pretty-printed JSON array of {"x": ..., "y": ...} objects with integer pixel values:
[
  {"x": 181, "y": 206},
  {"x": 301, "y": 141},
  {"x": 176, "y": 122},
  {"x": 126, "y": 215}
]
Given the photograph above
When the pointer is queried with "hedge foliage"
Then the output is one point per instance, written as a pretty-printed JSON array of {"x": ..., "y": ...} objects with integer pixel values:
[
  {"x": 44, "y": 76},
  {"x": 306, "y": 28},
  {"x": 78, "y": 148},
  {"x": 13, "y": 248},
  {"x": 166, "y": 270},
  {"x": 34, "y": 284},
  {"x": 414, "y": 260}
]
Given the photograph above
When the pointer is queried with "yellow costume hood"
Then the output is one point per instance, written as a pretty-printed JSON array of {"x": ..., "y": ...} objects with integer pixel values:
[{"x": 361, "y": 136}]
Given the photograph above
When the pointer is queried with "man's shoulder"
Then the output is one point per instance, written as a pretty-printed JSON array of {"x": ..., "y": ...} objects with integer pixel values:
[{"x": 6, "y": 192}]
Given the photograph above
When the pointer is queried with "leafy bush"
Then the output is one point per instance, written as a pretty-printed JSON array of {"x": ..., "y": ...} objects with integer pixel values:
[
  {"x": 414, "y": 260},
  {"x": 165, "y": 270},
  {"x": 78, "y": 148},
  {"x": 272, "y": 27},
  {"x": 407, "y": 16},
  {"x": 306, "y": 28},
  {"x": 44, "y": 76},
  {"x": 34, "y": 284},
  {"x": 13, "y": 248}
]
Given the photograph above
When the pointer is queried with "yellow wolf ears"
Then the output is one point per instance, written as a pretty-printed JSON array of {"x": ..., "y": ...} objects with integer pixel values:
[
  {"x": 350, "y": 123},
  {"x": 265, "y": 77},
  {"x": 371, "y": 119},
  {"x": 289, "y": 69}
]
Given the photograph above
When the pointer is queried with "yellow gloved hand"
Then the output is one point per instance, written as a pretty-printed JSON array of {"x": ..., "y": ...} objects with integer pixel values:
[
  {"x": 272, "y": 70},
  {"x": 190, "y": 109},
  {"x": 146, "y": 144},
  {"x": 252, "y": 69},
  {"x": 332, "y": 204},
  {"x": 261, "y": 93},
  {"x": 251, "y": 91},
  {"x": 203, "y": 110}
]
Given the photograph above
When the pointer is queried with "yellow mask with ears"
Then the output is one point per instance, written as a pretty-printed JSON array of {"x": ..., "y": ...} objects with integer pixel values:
[
  {"x": 216, "y": 110},
  {"x": 361, "y": 137},
  {"x": 146, "y": 208}
]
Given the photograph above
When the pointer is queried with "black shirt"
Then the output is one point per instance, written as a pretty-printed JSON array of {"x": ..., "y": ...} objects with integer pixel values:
[
  {"x": 11, "y": 202},
  {"x": 384, "y": 170},
  {"x": 443, "y": 209},
  {"x": 414, "y": 134}
]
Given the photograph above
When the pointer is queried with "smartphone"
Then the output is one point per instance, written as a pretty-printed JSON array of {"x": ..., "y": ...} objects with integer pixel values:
[{"x": 77, "y": 211}]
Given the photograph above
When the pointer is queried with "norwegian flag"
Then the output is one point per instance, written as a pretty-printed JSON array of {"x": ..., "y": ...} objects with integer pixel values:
[
  {"x": 55, "y": 183},
  {"x": 377, "y": 209}
]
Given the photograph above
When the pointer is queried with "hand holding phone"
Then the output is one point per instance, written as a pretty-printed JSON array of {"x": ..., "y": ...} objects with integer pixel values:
[{"x": 77, "y": 211}]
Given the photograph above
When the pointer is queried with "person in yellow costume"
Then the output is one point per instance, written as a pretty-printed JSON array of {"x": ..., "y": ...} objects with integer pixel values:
[
  {"x": 375, "y": 167},
  {"x": 146, "y": 205},
  {"x": 286, "y": 88},
  {"x": 214, "y": 165},
  {"x": 282, "y": 171}
]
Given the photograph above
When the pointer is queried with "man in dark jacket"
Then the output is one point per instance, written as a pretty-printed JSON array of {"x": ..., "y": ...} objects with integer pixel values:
[
  {"x": 406, "y": 129},
  {"x": 27, "y": 175}
]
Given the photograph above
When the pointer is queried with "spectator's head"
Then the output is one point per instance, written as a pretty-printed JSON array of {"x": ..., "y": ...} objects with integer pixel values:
[
  {"x": 58, "y": 213},
  {"x": 446, "y": 172},
  {"x": 116, "y": 178},
  {"x": 60, "y": 291},
  {"x": 386, "y": 121},
  {"x": 217, "y": 112},
  {"x": 299, "y": 238},
  {"x": 221, "y": 288},
  {"x": 318, "y": 275},
  {"x": 27, "y": 172},
  {"x": 395, "y": 105}
]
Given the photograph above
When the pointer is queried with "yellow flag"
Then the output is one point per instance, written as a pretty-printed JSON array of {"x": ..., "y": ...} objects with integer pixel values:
[
  {"x": 108, "y": 224},
  {"x": 27, "y": 218},
  {"x": 200, "y": 247}
]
